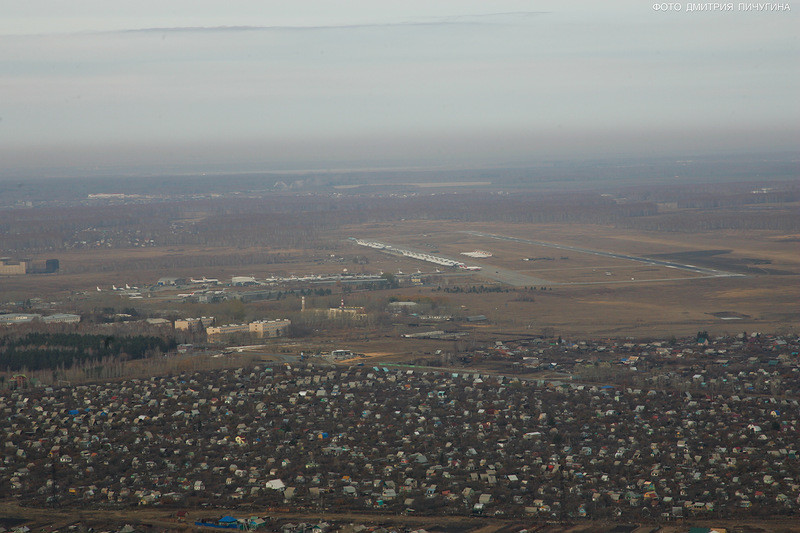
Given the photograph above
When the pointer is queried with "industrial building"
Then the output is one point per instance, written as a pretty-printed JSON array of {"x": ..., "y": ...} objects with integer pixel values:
[
  {"x": 347, "y": 312},
  {"x": 10, "y": 267},
  {"x": 20, "y": 318},
  {"x": 50, "y": 266},
  {"x": 170, "y": 281},
  {"x": 186, "y": 324},
  {"x": 340, "y": 355},
  {"x": 243, "y": 280},
  {"x": 62, "y": 318},
  {"x": 14, "y": 267},
  {"x": 260, "y": 328}
]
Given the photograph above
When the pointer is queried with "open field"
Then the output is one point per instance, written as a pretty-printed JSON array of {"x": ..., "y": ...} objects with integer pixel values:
[
  {"x": 586, "y": 294},
  {"x": 86, "y": 269},
  {"x": 679, "y": 303},
  {"x": 586, "y": 254},
  {"x": 556, "y": 264}
]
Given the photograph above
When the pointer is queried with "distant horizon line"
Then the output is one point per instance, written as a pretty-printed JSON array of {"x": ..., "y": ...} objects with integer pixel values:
[
  {"x": 181, "y": 171},
  {"x": 461, "y": 19}
]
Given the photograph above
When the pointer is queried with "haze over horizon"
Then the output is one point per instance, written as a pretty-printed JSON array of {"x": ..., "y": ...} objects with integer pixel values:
[{"x": 307, "y": 85}]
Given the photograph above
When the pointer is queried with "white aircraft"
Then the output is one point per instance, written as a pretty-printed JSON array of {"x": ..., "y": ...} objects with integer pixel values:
[
  {"x": 204, "y": 280},
  {"x": 99, "y": 289}
]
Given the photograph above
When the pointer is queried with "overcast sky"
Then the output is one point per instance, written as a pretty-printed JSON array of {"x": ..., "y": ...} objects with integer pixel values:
[{"x": 322, "y": 84}]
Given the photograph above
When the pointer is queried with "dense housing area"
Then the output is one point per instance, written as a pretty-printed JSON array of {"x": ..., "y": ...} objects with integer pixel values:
[{"x": 404, "y": 440}]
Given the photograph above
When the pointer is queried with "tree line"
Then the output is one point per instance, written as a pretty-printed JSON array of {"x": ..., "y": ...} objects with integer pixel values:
[
  {"x": 39, "y": 351},
  {"x": 293, "y": 222},
  {"x": 285, "y": 221}
]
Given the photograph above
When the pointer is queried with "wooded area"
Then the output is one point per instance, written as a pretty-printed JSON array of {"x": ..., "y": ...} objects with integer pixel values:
[
  {"x": 38, "y": 351},
  {"x": 293, "y": 221}
]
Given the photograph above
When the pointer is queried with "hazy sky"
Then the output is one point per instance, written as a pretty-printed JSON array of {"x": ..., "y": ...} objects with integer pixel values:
[{"x": 315, "y": 84}]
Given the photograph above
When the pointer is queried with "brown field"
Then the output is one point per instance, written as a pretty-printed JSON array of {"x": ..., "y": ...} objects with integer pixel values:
[
  {"x": 557, "y": 266},
  {"x": 581, "y": 300},
  {"x": 616, "y": 305}
]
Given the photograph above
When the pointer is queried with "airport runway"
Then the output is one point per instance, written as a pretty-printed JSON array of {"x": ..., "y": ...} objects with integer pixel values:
[
  {"x": 503, "y": 275},
  {"x": 704, "y": 272}
]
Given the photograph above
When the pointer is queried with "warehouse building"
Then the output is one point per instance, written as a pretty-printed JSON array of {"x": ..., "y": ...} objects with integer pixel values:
[
  {"x": 10, "y": 267},
  {"x": 62, "y": 318}
]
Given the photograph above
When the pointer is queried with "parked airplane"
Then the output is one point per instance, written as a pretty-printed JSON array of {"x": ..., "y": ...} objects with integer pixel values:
[{"x": 204, "y": 280}]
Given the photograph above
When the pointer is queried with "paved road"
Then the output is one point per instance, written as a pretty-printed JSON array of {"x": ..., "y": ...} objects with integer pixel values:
[{"x": 705, "y": 272}]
